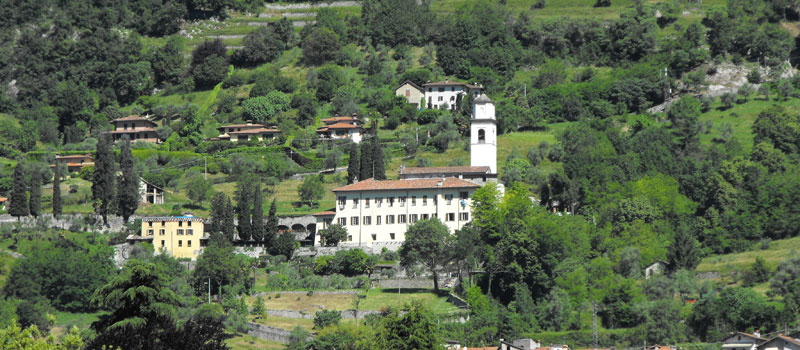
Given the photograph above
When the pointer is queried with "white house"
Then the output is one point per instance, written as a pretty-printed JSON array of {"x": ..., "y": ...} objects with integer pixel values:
[
  {"x": 378, "y": 212},
  {"x": 780, "y": 342},
  {"x": 341, "y": 128},
  {"x": 653, "y": 269},
  {"x": 743, "y": 341},
  {"x": 447, "y": 93}
]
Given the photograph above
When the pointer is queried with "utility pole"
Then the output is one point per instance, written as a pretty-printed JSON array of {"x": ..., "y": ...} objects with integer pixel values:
[
  {"x": 209, "y": 290},
  {"x": 594, "y": 322},
  {"x": 205, "y": 169}
]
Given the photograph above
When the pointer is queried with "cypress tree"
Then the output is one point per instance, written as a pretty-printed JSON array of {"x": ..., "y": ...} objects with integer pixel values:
[
  {"x": 243, "y": 200},
  {"x": 57, "y": 191},
  {"x": 271, "y": 230},
  {"x": 228, "y": 229},
  {"x": 367, "y": 162},
  {"x": 19, "y": 195},
  {"x": 257, "y": 228},
  {"x": 128, "y": 197},
  {"x": 35, "y": 189},
  {"x": 217, "y": 212},
  {"x": 352, "y": 165},
  {"x": 103, "y": 178},
  {"x": 377, "y": 158}
]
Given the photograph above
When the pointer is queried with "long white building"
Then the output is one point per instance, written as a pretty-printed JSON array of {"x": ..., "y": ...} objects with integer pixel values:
[{"x": 378, "y": 213}]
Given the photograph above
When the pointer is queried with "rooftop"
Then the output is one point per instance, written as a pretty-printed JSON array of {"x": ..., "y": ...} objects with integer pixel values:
[
  {"x": 172, "y": 218},
  {"x": 255, "y": 131},
  {"x": 452, "y": 83},
  {"x": 445, "y": 170},
  {"x": 132, "y": 131},
  {"x": 407, "y": 184},
  {"x": 131, "y": 118},
  {"x": 75, "y": 156},
  {"x": 326, "y": 213},
  {"x": 483, "y": 99},
  {"x": 409, "y": 82}
]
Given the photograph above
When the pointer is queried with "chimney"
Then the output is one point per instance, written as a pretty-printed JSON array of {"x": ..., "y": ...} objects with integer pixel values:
[
  {"x": 336, "y": 115},
  {"x": 355, "y": 115},
  {"x": 757, "y": 333},
  {"x": 249, "y": 122}
]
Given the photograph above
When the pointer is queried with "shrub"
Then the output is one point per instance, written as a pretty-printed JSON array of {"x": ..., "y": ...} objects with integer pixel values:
[{"x": 326, "y": 318}]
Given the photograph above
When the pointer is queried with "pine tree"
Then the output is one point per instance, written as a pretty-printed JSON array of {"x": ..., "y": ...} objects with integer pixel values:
[
  {"x": 377, "y": 157},
  {"x": 35, "y": 190},
  {"x": 257, "y": 228},
  {"x": 128, "y": 197},
  {"x": 271, "y": 230},
  {"x": 103, "y": 178},
  {"x": 243, "y": 200},
  {"x": 684, "y": 252},
  {"x": 352, "y": 165},
  {"x": 367, "y": 163},
  {"x": 217, "y": 212},
  {"x": 228, "y": 228},
  {"x": 19, "y": 195},
  {"x": 57, "y": 191}
]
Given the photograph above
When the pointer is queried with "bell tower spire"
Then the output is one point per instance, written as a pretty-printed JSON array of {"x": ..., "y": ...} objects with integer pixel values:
[{"x": 483, "y": 134}]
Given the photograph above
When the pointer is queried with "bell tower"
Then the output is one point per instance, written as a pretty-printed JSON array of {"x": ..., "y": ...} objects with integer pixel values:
[{"x": 483, "y": 134}]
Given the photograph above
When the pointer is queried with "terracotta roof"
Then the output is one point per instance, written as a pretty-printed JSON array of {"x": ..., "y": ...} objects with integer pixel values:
[
  {"x": 76, "y": 156},
  {"x": 452, "y": 83},
  {"x": 251, "y": 125},
  {"x": 445, "y": 170},
  {"x": 343, "y": 126},
  {"x": 322, "y": 129},
  {"x": 325, "y": 213},
  {"x": 409, "y": 184},
  {"x": 751, "y": 335},
  {"x": 130, "y": 118},
  {"x": 788, "y": 339},
  {"x": 485, "y": 348},
  {"x": 133, "y": 131},
  {"x": 338, "y": 119},
  {"x": 409, "y": 83},
  {"x": 172, "y": 218},
  {"x": 255, "y": 131},
  {"x": 3, "y": 199}
]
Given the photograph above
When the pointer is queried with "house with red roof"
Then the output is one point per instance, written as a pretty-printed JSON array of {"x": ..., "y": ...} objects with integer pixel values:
[
  {"x": 136, "y": 128},
  {"x": 339, "y": 127},
  {"x": 75, "y": 162},
  {"x": 246, "y": 132}
]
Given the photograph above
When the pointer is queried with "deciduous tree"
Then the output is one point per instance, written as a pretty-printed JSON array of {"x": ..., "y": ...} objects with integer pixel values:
[{"x": 427, "y": 243}]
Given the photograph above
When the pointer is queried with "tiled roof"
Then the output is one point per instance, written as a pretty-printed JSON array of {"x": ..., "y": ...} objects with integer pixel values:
[
  {"x": 410, "y": 184},
  {"x": 3, "y": 199},
  {"x": 452, "y": 83},
  {"x": 483, "y": 99},
  {"x": 75, "y": 164},
  {"x": 172, "y": 218},
  {"x": 325, "y": 213},
  {"x": 409, "y": 83},
  {"x": 130, "y": 118},
  {"x": 789, "y": 339},
  {"x": 751, "y": 335},
  {"x": 338, "y": 119},
  {"x": 255, "y": 131},
  {"x": 76, "y": 156},
  {"x": 343, "y": 126},
  {"x": 444, "y": 170},
  {"x": 251, "y": 125},
  {"x": 133, "y": 131}
]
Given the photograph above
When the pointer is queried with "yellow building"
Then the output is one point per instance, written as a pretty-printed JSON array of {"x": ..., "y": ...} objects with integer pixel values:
[{"x": 179, "y": 236}]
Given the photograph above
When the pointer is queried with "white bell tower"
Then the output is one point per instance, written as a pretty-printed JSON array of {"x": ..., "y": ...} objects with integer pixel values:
[{"x": 483, "y": 134}]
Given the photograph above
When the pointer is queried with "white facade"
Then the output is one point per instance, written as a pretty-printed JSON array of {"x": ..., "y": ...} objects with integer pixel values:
[
  {"x": 437, "y": 95},
  {"x": 742, "y": 341},
  {"x": 483, "y": 135},
  {"x": 381, "y": 216}
]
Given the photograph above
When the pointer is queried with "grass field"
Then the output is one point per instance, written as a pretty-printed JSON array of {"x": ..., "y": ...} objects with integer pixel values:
[
  {"x": 6, "y": 261},
  {"x": 741, "y": 118},
  {"x": 66, "y": 320},
  {"x": 778, "y": 251},
  {"x": 376, "y": 299},
  {"x": 247, "y": 342}
]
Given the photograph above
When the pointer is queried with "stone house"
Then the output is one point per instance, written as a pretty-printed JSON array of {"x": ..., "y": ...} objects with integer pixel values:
[
  {"x": 136, "y": 128},
  {"x": 411, "y": 92}
]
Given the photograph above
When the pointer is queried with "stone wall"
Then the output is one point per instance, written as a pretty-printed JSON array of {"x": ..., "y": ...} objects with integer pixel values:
[
  {"x": 269, "y": 333},
  {"x": 404, "y": 283},
  {"x": 346, "y": 314}
]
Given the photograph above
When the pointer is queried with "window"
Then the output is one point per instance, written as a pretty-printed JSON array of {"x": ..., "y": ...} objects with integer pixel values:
[
  {"x": 391, "y": 201},
  {"x": 343, "y": 221},
  {"x": 481, "y": 136},
  {"x": 180, "y": 231},
  {"x": 355, "y": 203},
  {"x": 180, "y": 223},
  {"x": 189, "y": 231},
  {"x": 391, "y": 236},
  {"x": 408, "y": 92},
  {"x": 413, "y": 218},
  {"x": 367, "y": 220},
  {"x": 354, "y": 220},
  {"x": 413, "y": 201},
  {"x": 180, "y": 243},
  {"x": 149, "y": 232},
  {"x": 161, "y": 232},
  {"x": 464, "y": 195},
  {"x": 389, "y": 219},
  {"x": 162, "y": 242},
  {"x": 163, "y": 223},
  {"x": 189, "y": 223},
  {"x": 441, "y": 89},
  {"x": 402, "y": 201},
  {"x": 449, "y": 198},
  {"x": 378, "y": 220},
  {"x": 378, "y": 201},
  {"x": 450, "y": 217},
  {"x": 189, "y": 243},
  {"x": 401, "y": 219},
  {"x": 424, "y": 216},
  {"x": 434, "y": 215},
  {"x": 342, "y": 202},
  {"x": 441, "y": 98},
  {"x": 464, "y": 216},
  {"x": 366, "y": 202},
  {"x": 435, "y": 199},
  {"x": 350, "y": 238},
  {"x": 424, "y": 200},
  {"x": 150, "y": 224},
  {"x": 374, "y": 237}
]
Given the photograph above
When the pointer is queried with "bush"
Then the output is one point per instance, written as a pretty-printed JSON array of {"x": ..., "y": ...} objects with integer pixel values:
[
  {"x": 326, "y": 318},
  {"x": 754, "y": 77}
]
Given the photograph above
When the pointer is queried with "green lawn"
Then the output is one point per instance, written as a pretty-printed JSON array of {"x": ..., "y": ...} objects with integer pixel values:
[
  {"x": 247, "y": 342},
  {"x": 376, "y": 299},
  {"x": 66, "y": 320},
  {"x": 6, "y": 262},
  {"x": 778, "y": 251},
  {"x": 741, "y": 118}
]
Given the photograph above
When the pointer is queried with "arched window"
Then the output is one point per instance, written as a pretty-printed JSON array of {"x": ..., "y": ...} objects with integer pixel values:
[{"x": 481, "y": 136}]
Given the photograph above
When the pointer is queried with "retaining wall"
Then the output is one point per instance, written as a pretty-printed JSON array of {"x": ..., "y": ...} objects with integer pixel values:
[{"x": 268, "y": 333}]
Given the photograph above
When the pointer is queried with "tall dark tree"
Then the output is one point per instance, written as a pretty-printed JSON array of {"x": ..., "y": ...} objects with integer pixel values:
[
  {"x": 103, "y": 178},
  {"x": 353, "y": 172},
  {"x": 218, "y": 212},
  {"x": 684, "y": 252},
  {"x": 257, "y": 228},
  {"x": 19, "y": 193},
  {"x": 57, "y": 190},
  {"x": 379, "y": 168},
  {"x": 244, "y": 199},
  {"x": 271, "y": 230},
  {"x": 35, "y": 191},
  {"x": 228, "y": 228},
  {"x": 128, "y": 197},
  {"x": 366, "y": 168}
]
